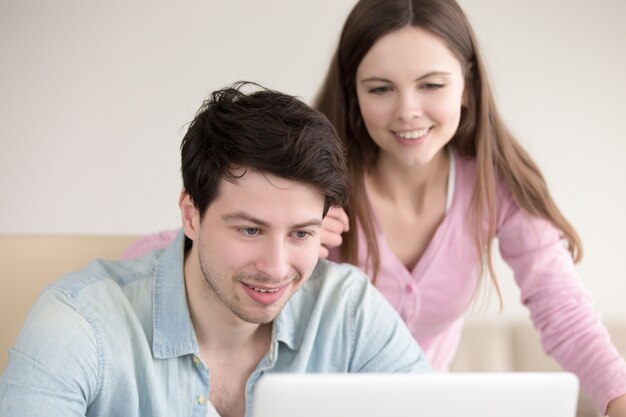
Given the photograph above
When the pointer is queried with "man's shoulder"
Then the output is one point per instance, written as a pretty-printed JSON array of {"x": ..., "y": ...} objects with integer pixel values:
[
  {"x": 107, "y": 273},
  {"x": 338, "y": 322},
  {"x": 328, "y": 303},
  {"x": 105, "y": 301},
  {"x": 331, "y": 281},
  {"x": 333, "y": 274}
]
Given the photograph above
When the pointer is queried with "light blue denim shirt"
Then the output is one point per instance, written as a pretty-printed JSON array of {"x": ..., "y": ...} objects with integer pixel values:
[{"x": 115, "y": 339}]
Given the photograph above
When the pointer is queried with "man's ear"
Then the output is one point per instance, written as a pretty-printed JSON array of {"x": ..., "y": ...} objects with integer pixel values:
[{"x": 190, "y": 216}]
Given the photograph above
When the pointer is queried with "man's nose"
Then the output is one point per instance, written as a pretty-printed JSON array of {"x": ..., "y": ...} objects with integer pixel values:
[{"x": 274, "y": 259}]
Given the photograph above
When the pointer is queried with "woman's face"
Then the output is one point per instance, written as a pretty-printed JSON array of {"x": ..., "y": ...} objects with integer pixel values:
[{"x": 410, "y": 89}]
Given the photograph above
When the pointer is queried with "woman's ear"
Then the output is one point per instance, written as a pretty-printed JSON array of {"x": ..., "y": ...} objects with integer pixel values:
[{"x": 189, "y": 214}]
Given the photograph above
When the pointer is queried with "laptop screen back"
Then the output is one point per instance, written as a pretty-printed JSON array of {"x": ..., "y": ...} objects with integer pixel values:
[{"x": 413, "y": 395}]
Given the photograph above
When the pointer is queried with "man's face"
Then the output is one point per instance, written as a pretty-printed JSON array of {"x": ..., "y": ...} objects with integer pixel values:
[{"x": 257, "y": 244}]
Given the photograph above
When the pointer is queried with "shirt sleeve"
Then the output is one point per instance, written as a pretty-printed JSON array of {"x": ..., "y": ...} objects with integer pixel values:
[
  {"x": 382, "y": 341},
  {"x": 560, "y": 307},
  {"x": 53, "y": 366},
  {"x": 147, "y": 243}
]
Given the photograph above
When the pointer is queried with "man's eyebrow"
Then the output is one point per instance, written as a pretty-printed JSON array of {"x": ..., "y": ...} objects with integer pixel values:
[
  {"x": 312, "y": 222},
  {"x": 240, "y": 215}
]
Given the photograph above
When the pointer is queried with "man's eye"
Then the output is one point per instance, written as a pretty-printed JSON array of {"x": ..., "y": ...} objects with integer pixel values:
[
  {"x": 250, "y": 231},
  {"x": 302, "y": 234}
]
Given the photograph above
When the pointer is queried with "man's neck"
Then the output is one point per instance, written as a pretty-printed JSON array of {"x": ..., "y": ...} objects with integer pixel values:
[
  {"x": 230, "y": 348},
  {"x": 231, "y": 368}
]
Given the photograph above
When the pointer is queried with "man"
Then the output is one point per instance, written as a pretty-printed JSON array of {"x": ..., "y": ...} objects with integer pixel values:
[{"x": 188, "y": 330}]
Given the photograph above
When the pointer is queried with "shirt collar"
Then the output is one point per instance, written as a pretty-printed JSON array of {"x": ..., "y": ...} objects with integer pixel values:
[
  {"x": 172, "y": 328},
  {"x": 285, "y": 329}
]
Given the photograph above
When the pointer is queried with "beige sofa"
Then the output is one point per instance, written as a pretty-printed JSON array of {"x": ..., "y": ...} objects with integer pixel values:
[{"x": 29, "y": 263}]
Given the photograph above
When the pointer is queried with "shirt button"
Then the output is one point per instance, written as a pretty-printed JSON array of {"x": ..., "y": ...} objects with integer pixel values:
[
  {"x": 201, "y": 399},
  {"x": 409, "y": 288},
  {"x": 196, "y": 360}
]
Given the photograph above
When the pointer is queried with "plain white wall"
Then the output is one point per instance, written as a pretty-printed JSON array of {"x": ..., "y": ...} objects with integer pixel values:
[{"x": 95, "y": 97}]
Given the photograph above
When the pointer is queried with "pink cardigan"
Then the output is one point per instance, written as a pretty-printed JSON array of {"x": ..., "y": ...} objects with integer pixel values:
[{"x": 446, "y": 275}]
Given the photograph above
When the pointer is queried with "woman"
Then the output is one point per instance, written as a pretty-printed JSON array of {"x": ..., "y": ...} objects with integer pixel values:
[{"x": 436, "y": 176}]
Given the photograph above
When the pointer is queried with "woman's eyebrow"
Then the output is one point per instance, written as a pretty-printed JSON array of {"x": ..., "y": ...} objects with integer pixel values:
[{"x": 421, "y": 77}]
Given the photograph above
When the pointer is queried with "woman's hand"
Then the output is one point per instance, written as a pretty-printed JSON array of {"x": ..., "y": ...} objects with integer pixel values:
[
  {"x": 617, "y": 407},
  {"x": 334, "y": 224}
]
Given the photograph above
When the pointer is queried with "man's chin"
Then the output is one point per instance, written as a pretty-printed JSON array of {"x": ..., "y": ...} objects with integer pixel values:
[{"x": 260, "y": 317}]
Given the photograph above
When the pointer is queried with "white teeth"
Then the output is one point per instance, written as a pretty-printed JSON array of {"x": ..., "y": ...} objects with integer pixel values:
[
  {"x": 413, "y": 134},
  {"x": 262, "y": 290}
]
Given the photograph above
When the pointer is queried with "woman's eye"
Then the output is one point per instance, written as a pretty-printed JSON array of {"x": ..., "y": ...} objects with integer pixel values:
[
  {"x": 250, "y": 231},
  {"x": 433, "y": 86},
  {"x": 379, "y": 90}
]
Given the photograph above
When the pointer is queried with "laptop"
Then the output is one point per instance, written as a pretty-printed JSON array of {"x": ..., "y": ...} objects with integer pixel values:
[{"x": 505, "y": 394}]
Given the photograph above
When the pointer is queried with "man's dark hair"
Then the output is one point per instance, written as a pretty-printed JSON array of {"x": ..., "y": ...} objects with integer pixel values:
[{"x": 266, "y": 131}]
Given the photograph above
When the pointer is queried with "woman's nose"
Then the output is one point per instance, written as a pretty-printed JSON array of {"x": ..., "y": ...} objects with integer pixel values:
[{"x": 408, "y": 107}]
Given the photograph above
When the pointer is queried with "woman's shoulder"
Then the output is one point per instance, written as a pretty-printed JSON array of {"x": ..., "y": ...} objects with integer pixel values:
[
  {"x": 464, "y": 175},
  {"x": 465, "y": 166},
  {"x": 467, "y": 171}
]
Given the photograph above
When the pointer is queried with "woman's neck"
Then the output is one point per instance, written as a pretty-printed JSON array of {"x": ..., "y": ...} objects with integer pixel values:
[{"x": 412, "y": 185}]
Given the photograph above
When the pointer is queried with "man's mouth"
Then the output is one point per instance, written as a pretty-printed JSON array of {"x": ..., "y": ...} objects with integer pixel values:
[{"x": 263, "y": 290}]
